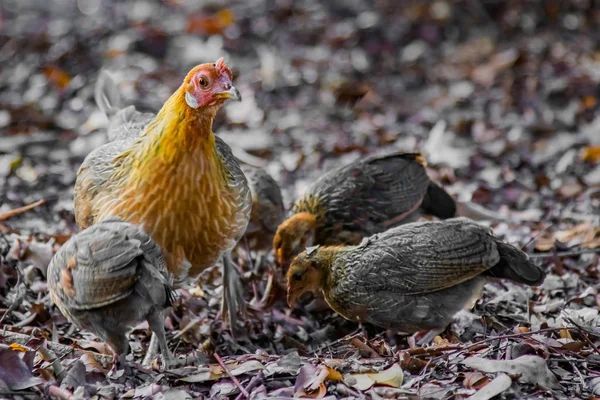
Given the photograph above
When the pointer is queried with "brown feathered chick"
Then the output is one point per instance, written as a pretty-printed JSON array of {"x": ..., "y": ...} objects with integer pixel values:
[
  {"x": 360, "y": 199},
  {"x": 109, "y": 278},
  {"x": 410, "y": 278},
  {"x": 267, "y": 209}
]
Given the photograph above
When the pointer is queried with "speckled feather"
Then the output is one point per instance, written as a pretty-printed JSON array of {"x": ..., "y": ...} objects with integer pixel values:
[
  {"x": 105, "y": 263},
  {"x": 99, "y": 197},
  {"x": 366, "y": 197},
  {"x": 127, "y": 123},
  {"x": 417, "y": 276}
]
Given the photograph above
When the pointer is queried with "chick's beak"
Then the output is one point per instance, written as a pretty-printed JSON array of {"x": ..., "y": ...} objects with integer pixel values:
[
  {"x": 292, "y": 295},
  {"x": 279, "y": 255},
  {"x": 231, "y": 93}
]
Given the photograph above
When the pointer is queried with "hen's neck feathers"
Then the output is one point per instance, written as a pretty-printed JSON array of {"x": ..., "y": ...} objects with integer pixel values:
[{"x": 176, "y": 130}]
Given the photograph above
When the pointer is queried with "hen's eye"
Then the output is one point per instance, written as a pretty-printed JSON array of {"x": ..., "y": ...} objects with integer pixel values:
[
  {"x": 297, "y": 276},
  {"x": 202, "y": 81}
]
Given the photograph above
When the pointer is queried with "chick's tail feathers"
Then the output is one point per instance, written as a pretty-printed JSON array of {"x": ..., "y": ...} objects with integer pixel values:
[
  {"x": 516, "y": 266},
  {"x": 106, "y": 94},
  {"x": 438, "y": 202}
]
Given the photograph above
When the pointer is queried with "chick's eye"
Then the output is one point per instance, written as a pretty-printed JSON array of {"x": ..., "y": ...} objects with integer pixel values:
[
  {"x": 203, "y": 81},
  {"x": 297, "y": 276}
]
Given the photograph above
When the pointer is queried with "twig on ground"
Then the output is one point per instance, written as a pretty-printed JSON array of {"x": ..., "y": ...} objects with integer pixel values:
[
  {"x": 62, "y": 394},
  {"x": 491, "y": 339},
  {"x": 536, "y": 237},
  {"x": 565, "y": 253},
  {"x": 235, "y": 380},
  {"x": 17, "y": 300},
  {"x": 61, "y": 350},
  {"x": 363, "y": 347},
  {"x": 345, "y": 338},
  {"x": 583, "y": 332},
  {"x": 254, "y": 382},
  {"x": 20, "y": 210}
]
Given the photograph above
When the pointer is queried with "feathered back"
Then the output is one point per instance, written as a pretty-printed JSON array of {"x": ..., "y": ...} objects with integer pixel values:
[
  {"x": 103, "y": 264},
  {"x": 367, "y": 196}
]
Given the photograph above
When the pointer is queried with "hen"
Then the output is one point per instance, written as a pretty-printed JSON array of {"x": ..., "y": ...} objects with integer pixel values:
[
  {"x": 360, "y": 199},
  {"x": 410, "y": 278},
  {"x": 170, "y": 175}
]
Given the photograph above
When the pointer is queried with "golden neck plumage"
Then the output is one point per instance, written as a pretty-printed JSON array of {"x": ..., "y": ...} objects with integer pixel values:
[{"x": 176, "y": 130}]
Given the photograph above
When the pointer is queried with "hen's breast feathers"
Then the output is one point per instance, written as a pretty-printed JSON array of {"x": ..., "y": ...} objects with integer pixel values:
[{"x": 193, "y": 200}]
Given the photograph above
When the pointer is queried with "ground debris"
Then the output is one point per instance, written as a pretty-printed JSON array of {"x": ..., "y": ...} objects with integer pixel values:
[{"x": 501, "y": 98}]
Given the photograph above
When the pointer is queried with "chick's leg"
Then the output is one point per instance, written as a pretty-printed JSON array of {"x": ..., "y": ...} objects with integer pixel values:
[
  {"x": 233, "y": 292},
  {"x": 152, "y": 350},
  {"x": 157, "y": 325}
]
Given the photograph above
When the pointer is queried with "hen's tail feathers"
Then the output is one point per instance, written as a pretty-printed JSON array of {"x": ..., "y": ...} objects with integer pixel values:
[
  {"x": 438, "y": 203},
  {"x": 516, "y": 266},
  {"x": 106, "y": 94}
]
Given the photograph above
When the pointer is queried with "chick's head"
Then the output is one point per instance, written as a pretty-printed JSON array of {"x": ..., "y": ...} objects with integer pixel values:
[
  {"x": 307, "y": 273},
  {"x": 294, "y": 235},
  {"x": 209, "y": 85}
]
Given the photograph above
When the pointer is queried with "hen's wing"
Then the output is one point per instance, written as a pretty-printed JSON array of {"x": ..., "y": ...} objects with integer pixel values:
[
  {"x": 238, "y": 185},
  {"x": 93, "y": 179}
]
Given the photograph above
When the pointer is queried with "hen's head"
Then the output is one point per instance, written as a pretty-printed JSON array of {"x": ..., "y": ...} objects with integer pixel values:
[
  {"x": 294, "y": 235},
  {"x": 209, "y": 85},
  {"x": 308, "y": 272}
]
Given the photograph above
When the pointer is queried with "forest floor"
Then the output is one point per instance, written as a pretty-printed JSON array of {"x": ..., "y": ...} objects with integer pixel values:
[{"x": 502, "y": 98}]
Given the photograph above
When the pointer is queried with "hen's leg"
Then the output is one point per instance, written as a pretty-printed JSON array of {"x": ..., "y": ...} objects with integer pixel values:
[{"x": 233, "y": 293}]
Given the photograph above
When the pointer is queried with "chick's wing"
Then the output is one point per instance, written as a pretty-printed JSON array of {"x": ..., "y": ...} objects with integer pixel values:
[
  {"x": 96, "y": 268},
  {"x": 372, "y": 194},
  {"x": 424, "y": 257}
]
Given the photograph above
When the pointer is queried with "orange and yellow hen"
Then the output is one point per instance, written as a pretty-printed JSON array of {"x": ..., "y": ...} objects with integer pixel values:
[{"x": 170, "y": 175}]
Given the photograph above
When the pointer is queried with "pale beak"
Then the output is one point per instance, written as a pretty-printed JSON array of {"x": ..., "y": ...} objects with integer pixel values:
[
  {"x": 279, "y": 256},
  {"x": 232, "y": 93},
  {"x": 291, "y": 296}
]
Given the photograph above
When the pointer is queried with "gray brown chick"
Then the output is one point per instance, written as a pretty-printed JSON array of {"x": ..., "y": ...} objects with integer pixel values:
[
  {"x": 110, "y": 277},
  {"x": 410, "y": 278},
  {"x": 365, "y": 197}
]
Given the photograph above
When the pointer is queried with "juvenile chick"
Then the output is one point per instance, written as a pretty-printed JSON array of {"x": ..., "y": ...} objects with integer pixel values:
[
  {"x": 410, "y": 278},
  {"x": 110, "y": 277},
  {"x": 360, "y": 199},
  {"x": 267, "y": 209}
]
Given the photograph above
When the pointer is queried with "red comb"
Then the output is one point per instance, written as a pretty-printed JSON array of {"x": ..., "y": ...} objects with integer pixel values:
[{"x": 221, "y": 66}]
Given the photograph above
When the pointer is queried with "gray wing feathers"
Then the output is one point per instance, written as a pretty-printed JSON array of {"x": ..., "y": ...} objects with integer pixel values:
[
  {"x": 424, "y": 257},
  {"x": 110, "y": 259}
]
